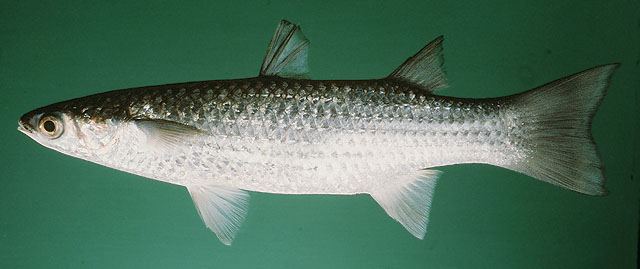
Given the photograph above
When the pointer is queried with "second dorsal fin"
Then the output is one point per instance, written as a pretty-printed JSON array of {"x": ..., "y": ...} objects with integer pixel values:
[
  {"x": 425, "y": 68},
  {"x": 287, "y": 53}
]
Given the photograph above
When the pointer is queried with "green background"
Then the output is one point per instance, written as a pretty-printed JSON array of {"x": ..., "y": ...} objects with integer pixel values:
[{"x": 61, "y": 212}]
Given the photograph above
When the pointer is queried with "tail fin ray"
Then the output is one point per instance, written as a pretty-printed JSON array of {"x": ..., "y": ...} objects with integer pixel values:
[{"x": 556, "y": 121}]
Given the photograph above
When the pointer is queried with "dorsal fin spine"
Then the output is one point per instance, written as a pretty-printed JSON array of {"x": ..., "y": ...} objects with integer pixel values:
[{"x": 287, "y": 53}]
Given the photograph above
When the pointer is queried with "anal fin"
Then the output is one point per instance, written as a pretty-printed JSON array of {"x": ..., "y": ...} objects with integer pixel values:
[
  {"x": 409, "y": 201},
  {"x": 222, "y": 209}
]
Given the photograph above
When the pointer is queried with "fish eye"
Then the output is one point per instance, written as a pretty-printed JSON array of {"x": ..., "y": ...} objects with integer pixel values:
[{"x": 51, "y": 126}]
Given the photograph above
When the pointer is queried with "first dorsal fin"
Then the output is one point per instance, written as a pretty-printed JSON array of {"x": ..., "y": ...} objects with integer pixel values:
[
  {"x": 287, "y": 53},
  {"x": 425, "y": 68}
]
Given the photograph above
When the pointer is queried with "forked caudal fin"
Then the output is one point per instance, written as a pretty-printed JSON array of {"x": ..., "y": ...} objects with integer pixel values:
[{"x": 557, "y": 119}]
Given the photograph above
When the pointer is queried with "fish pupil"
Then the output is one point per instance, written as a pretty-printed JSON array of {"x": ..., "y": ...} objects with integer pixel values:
[{"x": 49, "y": 126}]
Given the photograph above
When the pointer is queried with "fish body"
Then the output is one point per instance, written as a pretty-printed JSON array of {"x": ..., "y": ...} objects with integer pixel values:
[
  {"x": 291, "y": 136},
  {"x": 286, "y": 134}
]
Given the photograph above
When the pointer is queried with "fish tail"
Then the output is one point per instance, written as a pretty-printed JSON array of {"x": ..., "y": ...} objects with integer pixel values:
[{"x": 555, "y": 123}]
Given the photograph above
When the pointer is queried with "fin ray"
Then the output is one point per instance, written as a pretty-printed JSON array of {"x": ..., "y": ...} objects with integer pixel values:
[
  {"x": 425, "y": 68},
  {"x": 222, "y": 209},
  {"x": 409, "y": 202},
  {"x": 164, "y": 133},
  {"x": 287, "y": 53},
  {"x": 558, "y": 116}
]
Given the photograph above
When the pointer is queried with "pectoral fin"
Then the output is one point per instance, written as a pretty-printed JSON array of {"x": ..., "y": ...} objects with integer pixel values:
[
  {"x": 163, "y": 134},
  {"x": 222, "y": 209},
  {"x": 409, "y": 201}
]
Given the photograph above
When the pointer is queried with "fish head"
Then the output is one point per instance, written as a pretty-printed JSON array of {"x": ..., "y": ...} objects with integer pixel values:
[{"x": 65, "y": 128}]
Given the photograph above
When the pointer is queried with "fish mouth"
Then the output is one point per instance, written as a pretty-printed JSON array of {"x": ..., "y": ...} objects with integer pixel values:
[{"x": 24, "y": 127}]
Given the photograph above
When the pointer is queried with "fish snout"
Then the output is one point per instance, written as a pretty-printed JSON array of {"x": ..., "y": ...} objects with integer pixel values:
[{"x": 25, "y": 123}]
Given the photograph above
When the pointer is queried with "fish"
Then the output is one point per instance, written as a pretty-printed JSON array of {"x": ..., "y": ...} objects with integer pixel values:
[{"x": 282, "y": 132}]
